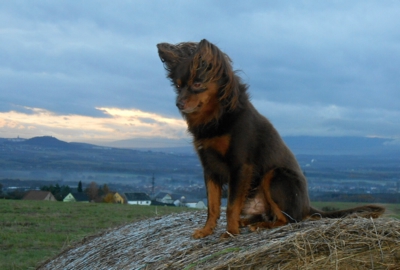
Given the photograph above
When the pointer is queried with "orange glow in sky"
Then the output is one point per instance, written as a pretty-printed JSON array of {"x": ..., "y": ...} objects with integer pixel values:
[{"x": 117, "y": 124}]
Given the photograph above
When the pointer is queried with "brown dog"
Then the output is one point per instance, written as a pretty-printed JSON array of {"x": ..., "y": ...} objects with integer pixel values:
[{"x": 237, "y": 146}]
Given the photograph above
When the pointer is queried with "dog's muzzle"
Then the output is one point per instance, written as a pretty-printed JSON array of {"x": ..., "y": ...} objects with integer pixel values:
[{"x": 180, "y": 104}]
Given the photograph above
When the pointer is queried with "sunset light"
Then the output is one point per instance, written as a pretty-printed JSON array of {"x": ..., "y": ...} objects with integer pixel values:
[{"x": 117, "y": 124}]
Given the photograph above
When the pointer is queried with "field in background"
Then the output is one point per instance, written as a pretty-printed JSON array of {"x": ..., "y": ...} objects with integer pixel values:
[
  {"x": 392, "y": 210},
  {"x": 32, "y": 231}
]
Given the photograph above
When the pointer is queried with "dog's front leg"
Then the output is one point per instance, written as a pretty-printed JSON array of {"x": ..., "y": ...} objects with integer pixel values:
[
  {"x": 238, "y": 188},
  {"x": 214, "y": 208}
]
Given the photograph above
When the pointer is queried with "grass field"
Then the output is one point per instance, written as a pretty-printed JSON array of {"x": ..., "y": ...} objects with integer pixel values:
[
  {"x": 32, "y": 231},
  {"x": 392, "y": 210}
]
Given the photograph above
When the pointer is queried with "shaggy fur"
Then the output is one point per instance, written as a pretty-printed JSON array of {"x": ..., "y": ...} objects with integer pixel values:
[{"x": 237, "y": 146}]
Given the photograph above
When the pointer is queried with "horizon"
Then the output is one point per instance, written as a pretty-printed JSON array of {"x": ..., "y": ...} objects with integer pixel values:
[{"x": 326, "y": 145}]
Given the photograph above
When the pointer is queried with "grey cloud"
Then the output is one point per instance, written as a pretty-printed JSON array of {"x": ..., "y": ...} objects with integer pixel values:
[{"x": 71, "y": 57}]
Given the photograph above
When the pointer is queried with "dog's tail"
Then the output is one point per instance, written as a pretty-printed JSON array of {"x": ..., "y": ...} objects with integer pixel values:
[{"x": 366, "y": 211}]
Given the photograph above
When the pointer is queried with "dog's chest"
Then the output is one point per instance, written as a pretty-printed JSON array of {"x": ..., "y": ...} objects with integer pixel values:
[
  {"x": 213, "y": 153},
  {"x": 219, "y": 144}
]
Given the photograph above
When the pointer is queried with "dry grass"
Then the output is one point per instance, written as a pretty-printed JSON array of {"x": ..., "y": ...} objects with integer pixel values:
[{"x": 166, "y": 243}]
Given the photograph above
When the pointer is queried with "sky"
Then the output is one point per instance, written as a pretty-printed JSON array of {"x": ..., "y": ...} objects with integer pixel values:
[{"x": 89, "y": 71}]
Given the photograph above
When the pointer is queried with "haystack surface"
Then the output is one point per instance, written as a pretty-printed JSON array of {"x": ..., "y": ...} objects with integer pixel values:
[{"x": 166, "y": 243}]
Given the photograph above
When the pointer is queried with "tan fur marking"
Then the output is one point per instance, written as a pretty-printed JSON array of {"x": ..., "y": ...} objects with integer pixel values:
[
  {"x": 267, "y": 192},
  {"x": 235, "y": 208},
  {"x": 210, "y": 106},
  {"x": 214, "y": 192},
  {"x": 280, "y": 218},
  {"x": 219, "y": 144}
]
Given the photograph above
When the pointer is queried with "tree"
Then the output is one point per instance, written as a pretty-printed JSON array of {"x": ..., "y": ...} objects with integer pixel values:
[
  {"x": 16, "y": 194},
  {"x": 92, "y": 191},
  {"x": 103, "y": 190},
  {"x": 100, "y": 192},
  {"x": 65, "y": 190},
  {"x": 58, "y": 192},
  {"x": 106, "y": 189},
  {"x": 80, "y": 186},
  {"x": 109, "y": 198}
]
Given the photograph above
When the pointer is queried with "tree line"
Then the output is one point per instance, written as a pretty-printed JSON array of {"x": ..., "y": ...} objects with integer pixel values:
[{"x": 95, "y": 192}]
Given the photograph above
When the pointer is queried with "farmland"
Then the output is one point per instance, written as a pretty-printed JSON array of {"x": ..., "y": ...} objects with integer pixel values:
[{"x": 33, "y": 231}]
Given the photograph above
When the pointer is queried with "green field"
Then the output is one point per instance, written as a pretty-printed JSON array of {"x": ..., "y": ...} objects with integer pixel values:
[
  {"x": 33, "y": 231},
  {"x": 392, "y": 210}
]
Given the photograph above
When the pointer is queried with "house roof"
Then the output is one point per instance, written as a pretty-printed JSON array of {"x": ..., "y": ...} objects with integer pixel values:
[
  {"x": 37, "y": 195},
  {"x": 174, "y": 196},
  {"x": 137, "y": 196},
  {"x": 80, "y": 196}
]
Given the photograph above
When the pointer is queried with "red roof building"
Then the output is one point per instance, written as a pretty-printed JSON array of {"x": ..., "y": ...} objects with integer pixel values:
[{"x": 39, "y": 195}]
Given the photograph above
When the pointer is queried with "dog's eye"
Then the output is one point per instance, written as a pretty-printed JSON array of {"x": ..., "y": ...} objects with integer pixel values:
[
  {"x": 197, "y": 88},
  {"x": 197, "y": 85}
]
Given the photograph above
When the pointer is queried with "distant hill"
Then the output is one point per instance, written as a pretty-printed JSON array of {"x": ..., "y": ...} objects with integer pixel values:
[
  {"x": 47, "y": 142},
  {"x": 152, "y": 143},
  {"x": 341, "y": 145},
  {"x": 48, "y": 158},
  {"x": 300, "y": 145}
]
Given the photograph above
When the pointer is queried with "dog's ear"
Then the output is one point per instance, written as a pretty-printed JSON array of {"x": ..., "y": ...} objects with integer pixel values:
[
  {"x": 204, "y": 45},
  {"x": 171, "y": 55},
  {"x": 206, "y": 54},
  {"x": 211, "y": 64},
  {"x": 168, "y": 55}
]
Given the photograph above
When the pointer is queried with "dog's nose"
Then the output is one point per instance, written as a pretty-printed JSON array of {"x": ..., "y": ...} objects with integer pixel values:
[{"x": 180, "y": 104}]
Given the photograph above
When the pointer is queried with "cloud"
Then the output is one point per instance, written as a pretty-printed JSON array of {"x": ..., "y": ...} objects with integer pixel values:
[
  {"x": 311, "y": 58},
  {"x": 116, "y": 124},
  {"x": 330, "y": 120}
]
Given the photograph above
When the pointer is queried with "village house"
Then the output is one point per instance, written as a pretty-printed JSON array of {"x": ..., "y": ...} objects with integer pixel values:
[
  {"x": 169, "y": 198},
  {"x": 112, "y": 197},
  {"x": 39, "y": 195},
  {"x": 173, "y": 199},
  {"x": 195, "y": 204},
  {"x": 118, "y": 198},
  {"x": 138, "y": 198},
  {"x": 76, "y": 197}
]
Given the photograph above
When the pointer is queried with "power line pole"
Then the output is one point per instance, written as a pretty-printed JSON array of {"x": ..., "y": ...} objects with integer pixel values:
[{"x": 152, "y": 185}]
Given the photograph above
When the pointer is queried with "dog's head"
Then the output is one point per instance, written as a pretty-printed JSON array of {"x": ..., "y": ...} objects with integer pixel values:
[{"x": 203, "y": 78}]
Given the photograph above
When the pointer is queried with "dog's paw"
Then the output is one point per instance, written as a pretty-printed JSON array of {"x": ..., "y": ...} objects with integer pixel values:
[
  {"x": 227, "y": 235},
  {"x": 259, "y": 226},
  {"x": 243, "y": 223},
  {"x": 201, "y": 233},
  {"x": 253, "y": 228}
]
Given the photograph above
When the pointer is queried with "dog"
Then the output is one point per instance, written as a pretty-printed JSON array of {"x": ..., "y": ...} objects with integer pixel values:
[{"x": 238, "y": 147}]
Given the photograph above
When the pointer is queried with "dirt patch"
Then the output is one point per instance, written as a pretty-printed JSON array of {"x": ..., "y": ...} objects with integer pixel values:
[{"x": 166, "y": 243}]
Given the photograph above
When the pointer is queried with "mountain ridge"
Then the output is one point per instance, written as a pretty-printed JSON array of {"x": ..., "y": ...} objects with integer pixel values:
[{"x": 300, "y": 145}]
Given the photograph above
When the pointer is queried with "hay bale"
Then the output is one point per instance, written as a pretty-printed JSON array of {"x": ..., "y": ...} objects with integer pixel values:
[{"x": 166, "y": 243}]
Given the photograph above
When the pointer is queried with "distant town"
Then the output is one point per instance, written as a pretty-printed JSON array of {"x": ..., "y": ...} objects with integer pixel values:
[{"x": 49, "y": 165}]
